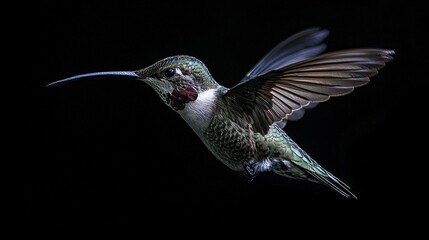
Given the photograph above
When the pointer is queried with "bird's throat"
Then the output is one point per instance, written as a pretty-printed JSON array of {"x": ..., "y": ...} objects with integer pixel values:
[
  {"x": 199, "y": 113},
  {"x": 179, "y": 97}
]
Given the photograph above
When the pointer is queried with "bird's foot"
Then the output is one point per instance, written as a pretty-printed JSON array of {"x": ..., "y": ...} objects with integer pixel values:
[{"x": 249, "y": 173}]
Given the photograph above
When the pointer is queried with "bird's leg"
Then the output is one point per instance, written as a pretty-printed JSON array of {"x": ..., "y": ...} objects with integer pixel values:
[{"x": 249, "y": 172}]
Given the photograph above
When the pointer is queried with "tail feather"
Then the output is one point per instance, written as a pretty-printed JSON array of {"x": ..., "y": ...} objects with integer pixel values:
[
  {"x": 287, "y": 169},
  {"x": 334, "y": 183},
  {"x": 294, "y": 162}
]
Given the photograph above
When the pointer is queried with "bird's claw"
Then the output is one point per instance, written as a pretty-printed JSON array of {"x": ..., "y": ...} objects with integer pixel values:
[{"x": 249, "y": 173}]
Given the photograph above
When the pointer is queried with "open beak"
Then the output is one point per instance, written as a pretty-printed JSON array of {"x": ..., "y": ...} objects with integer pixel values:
[{"x": 96, "y": 74}]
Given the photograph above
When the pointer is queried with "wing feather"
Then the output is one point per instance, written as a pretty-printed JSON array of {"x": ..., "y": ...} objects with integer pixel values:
[
  {"x": 277, "y": 94},
  {"x": 298, "y": 47}
]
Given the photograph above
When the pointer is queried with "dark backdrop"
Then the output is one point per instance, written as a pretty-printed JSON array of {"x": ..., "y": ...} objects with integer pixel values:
[{"x": 109, "y": 159}]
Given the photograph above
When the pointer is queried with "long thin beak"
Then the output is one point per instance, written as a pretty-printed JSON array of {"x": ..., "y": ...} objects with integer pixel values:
[{"x": 96, "y": 74}]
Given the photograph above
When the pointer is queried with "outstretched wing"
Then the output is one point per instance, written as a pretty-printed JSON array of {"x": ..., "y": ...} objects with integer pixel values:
[
  {"x": 275, "y": 95},
  {"x": 298, "y": 47}
]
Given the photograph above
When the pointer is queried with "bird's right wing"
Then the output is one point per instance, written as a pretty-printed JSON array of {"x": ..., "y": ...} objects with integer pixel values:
[{"x": 300, "y": 46}]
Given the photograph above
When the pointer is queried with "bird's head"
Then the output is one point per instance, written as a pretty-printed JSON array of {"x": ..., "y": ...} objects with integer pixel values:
[{"x": 177, "y": 80}]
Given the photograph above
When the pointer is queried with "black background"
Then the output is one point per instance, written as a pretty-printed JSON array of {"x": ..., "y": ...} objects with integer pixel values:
[{"x": 109, "y": 159}]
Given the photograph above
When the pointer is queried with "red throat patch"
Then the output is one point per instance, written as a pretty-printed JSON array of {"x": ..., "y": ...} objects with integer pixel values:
[{"x": 180, "y": 96}]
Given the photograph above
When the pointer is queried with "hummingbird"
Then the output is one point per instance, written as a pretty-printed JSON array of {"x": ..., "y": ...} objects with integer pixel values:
[{"x": 242, "y": 126}]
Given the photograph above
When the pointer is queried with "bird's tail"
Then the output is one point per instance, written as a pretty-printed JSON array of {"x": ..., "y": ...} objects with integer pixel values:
[
  {"x": 296, "y": 163},
  {"x": 287, "y": 169}
]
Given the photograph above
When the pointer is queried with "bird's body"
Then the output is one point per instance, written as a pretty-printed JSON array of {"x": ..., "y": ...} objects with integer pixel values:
[
  {"x": 249, "y": 152},
  {"x": 243, "y": 126},
  {"x": 233, "y": 145}
]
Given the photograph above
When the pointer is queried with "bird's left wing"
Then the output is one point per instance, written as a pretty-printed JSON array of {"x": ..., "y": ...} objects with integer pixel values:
[{"x": 275, "y": 95}]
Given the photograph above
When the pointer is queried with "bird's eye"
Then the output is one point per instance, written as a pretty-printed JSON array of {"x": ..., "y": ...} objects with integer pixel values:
[{"x": 169, "y": 72}]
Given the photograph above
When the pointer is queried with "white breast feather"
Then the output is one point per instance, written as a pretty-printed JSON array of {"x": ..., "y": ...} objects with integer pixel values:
[{"x": 199, "y": 112}]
